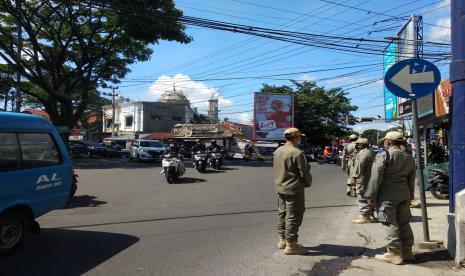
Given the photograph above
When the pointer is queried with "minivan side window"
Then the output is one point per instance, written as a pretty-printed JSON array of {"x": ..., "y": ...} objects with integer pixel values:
[
  {"x": 38, "y": 149},
  {"x": 8, "y": 151}
]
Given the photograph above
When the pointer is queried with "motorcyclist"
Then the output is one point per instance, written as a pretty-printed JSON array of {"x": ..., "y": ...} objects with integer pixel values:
[
  {"x": 174, "y": 151},
  {"x": 172, "y": 148},
  {"x": 199, "y": 146},
  {"x": 213, "y": 146}
]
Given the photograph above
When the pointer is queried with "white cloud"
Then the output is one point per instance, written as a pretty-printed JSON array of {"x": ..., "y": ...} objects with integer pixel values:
[
  {"x": 440, "y": 32},
  {"x": 341, "y": 79},
  {"x": 197, "y": 92},
  {"x": 306, "y": 77},
  {"x": 245, "y": 118}
]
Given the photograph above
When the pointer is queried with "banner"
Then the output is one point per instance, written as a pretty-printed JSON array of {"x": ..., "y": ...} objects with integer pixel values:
[
  {"x": 441, "y": 98},
  {"x": 273, "y": 113},
  {"x": 390, "y": 100}
]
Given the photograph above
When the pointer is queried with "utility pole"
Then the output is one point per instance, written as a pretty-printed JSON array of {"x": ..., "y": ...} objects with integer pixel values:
[
  {"x": 19, "y": 98},
  {"x": 457, "y": 78},
  {"x": 113, "y": 95},
  {"x": 416, "y": 133}
]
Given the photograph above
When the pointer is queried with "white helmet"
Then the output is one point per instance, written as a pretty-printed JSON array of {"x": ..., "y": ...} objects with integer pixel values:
[{"x": 353, "y": 137}]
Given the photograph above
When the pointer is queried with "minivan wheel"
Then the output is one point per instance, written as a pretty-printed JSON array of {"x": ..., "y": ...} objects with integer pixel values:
[{"x": 13, "y": 231}]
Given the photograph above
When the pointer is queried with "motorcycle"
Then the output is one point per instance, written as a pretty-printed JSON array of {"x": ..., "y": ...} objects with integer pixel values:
[
  {"x": 215, "y": 159},
  {"x": 439, "y": 181},
  {"x": 200, "y": 161},
  {"x": 334, "y": 159},
  {"x": 173, "y": 167}
]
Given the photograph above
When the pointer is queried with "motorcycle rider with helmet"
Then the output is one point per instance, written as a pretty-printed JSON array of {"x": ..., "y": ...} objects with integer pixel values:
[{"x": 199, "y": 146}]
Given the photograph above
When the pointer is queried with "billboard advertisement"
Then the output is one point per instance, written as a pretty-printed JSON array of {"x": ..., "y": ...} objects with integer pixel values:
[
  {"x": 273, "y": 113},
  {"x": 441, "y": 98},
  {"x": 390, "y": 100},
  {"x": 407, "y": 46}
]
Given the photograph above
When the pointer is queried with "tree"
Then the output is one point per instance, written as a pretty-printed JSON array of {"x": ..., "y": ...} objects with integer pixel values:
[
  {"x": 70, "y": 48},
  {"x": 319, "y": 113},
  {"x": 6, "y": 84},
  {"x": 371, "y": 135}
]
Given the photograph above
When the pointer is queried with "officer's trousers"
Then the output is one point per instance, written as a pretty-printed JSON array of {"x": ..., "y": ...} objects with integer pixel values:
[
  {"x": 291, "y": 210},
  {"x": 396, "y": 217},
  {"x": 365, "y": 208}
]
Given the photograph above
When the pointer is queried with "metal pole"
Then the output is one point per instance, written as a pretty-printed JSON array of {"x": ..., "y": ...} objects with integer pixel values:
[
  {"x": 19, "y": 98},
  {"x": 113, "y": 105},
  {"x": 457, "y": 78},
  {"x": 416, "y": 138},
  {"x": 418, "y": 20},
  {"x": 425, "y": 149}
]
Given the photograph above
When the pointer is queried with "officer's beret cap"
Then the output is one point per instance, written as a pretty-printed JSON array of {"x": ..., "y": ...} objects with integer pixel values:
[
  {"x": 362, "y": 141},
  {"x": 394, "y": 136},
  {"x": 292, "y": 132}
]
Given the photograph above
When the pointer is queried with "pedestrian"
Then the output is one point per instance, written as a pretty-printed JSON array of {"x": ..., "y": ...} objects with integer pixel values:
[
  {"x": 291, "y": 176},
  {"x": 392, "y": 184},
  {"x": 360, "y": 176},
  {"x": 348, "y": 155}
]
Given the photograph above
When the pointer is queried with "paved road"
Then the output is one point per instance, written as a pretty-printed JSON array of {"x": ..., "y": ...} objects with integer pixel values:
[{"x": 126, "y": 220}]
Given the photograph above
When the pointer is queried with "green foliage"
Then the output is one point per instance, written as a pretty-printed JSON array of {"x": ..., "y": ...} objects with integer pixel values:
[
  {"x": 73, "y": 47},
  {"x": 319, "y": 113},
  {"x": 371, "y": 135},
  {"x": 436, "y": 154}
]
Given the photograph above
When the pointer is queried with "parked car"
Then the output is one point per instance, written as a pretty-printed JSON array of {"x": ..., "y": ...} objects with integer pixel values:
[
  {"x": 146, "y": 150},
  {"x": 96, "y": 149},
  {"x": 78, "y": 148},
  {"x": 36, "y": 173}
]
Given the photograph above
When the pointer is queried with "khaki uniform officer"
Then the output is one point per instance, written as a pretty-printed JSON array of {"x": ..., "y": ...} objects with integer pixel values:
[
  {"x": 348, "y": 155},
  {"x": 391, "y": 184},
  {"x": 361, "y": 175},
  {"x": 291, "y": 176}
]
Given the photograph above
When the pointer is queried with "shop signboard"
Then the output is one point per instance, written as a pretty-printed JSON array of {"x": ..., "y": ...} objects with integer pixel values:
[
  {"x": 273, "y": 113},
  {"x": 390, "y": 100},
  {"x": 441, "y": 98}
]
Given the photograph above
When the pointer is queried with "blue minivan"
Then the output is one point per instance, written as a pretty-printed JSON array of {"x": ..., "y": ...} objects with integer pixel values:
[{"x": 36, "y": 175}]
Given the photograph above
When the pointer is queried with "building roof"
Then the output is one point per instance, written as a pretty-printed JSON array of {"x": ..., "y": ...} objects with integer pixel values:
[
  {"x": 209, "y": 131},
  {"x": 174, "y": 96},
  {"x": 159, "y": 135}
]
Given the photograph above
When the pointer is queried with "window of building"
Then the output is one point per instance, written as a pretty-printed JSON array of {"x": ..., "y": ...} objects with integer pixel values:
[
  {"x": 109, "y": 121},
  {"x": 8, "y": 151},
  {"x": 128, "y": 121},
  {"x": 38, "y": 149},
  {"x": 177, "y": 118}
]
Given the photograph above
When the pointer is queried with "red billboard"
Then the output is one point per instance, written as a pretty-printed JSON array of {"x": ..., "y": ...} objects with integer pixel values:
[{"x": 273, "y": 113}]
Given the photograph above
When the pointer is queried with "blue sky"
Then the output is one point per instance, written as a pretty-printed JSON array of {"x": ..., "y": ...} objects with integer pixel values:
[{"x": 216, "y": 54}]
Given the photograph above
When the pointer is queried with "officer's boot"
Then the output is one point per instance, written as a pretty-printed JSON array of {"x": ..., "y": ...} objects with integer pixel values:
[
  {"x": 362, "y": 219},
  {"x": 407, "y": 253},
  {"x": 293, "y": 248},
  {"x": 393, "y": 256},
  {"x": 282, "y": 243}
]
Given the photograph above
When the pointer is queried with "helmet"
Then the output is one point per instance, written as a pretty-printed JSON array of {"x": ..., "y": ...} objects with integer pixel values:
[
  {"x": 171, "y": 141},
  {"x": 353, "y": 137},
  {"x": 213, "y": 142},
  {"x": 197, "y": 141},
  {"x": 327, "y": 147}
]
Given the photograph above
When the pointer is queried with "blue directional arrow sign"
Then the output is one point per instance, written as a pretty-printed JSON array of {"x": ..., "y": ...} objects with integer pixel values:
[{"x": 412, "y": 78}]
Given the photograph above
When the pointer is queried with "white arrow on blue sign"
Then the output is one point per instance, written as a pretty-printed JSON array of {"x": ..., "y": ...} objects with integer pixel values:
[{"x": 412, "y": 78}]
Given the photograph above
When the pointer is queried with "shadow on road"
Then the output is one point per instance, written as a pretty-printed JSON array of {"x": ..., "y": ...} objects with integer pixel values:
[
  {"x": 195, "y": 216},
  {"x": 64, "y": 252},
  {"x": 108, "y": 163},
  {"x": 189, "y": 180},
  {"x": 84, "y": 201}
]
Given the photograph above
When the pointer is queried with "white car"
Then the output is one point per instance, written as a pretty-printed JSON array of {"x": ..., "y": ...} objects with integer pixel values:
[{"x": 146, "y": 150}]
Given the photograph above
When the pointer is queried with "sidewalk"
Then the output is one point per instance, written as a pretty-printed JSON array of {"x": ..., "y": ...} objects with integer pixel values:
[{"x": 428, "y": 262}]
